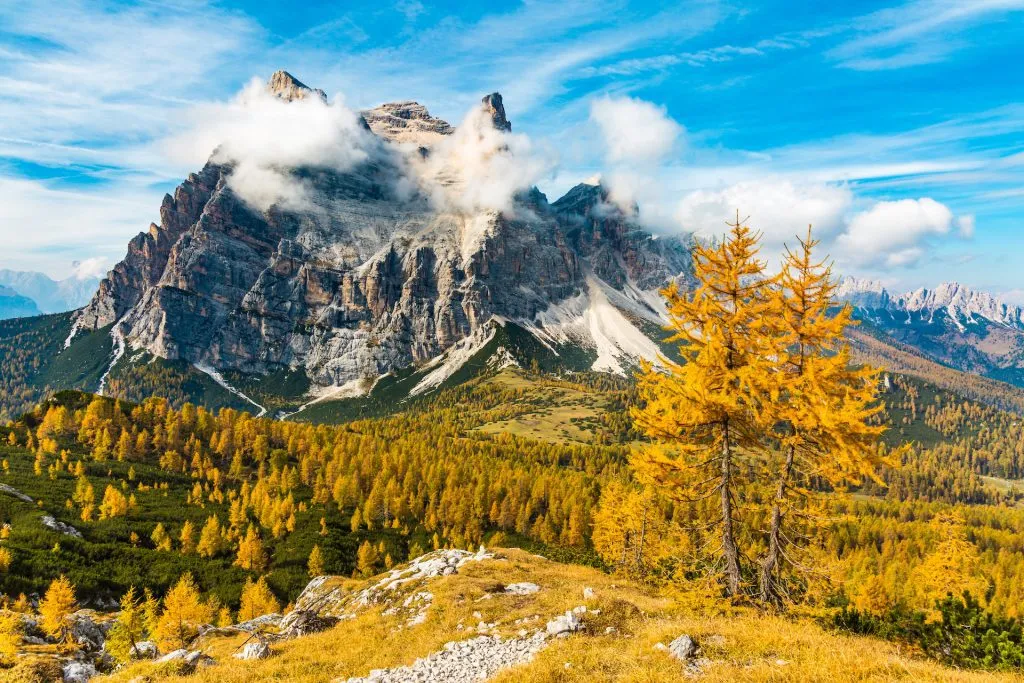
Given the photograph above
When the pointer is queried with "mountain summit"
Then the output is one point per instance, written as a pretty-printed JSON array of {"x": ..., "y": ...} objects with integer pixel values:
[{"x": 373, "y": 276}]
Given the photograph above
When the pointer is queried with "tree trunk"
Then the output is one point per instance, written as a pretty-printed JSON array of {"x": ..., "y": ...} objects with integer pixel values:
[
  {"x": 643, "y": 533},
  {"x": 730, "y": 551},
  {"x": 770, "y": 589}
]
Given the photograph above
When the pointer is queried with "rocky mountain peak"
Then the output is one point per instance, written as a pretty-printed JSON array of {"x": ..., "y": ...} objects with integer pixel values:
[
  {"x": 289, "y": 88},
  {"x": 495, "y": 107},
  {"x": 406, "y": 122},
  {"x": 963, "y": 302},
  {"x": 863, "y": 293},
  {"x": 960, "y": 303}
]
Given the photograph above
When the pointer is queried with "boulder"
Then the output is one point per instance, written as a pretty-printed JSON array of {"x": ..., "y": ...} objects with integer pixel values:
[
  {"x": 261, "y": 623},
  {"x": 301, "y": 622},
  {"x": 11, "y": 491},
  {"x": 524, "y": 588},
  {"x": 683, "y": 648},
  {"x": 254, "y": 650},
  {"x": 145, "y": 649},
  {"x": 564, "y": 624},
  {"x": 60, "y": 527},
  {"x": 187, "y": 660},
  {"x": 86, "y": 631},
  {"x": 78, "y": 672}
]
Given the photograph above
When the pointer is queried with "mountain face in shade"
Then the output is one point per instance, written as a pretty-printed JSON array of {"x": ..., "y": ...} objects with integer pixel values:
[
  {"x": 372, "y": 278},
  {"x": 954, "y": 324}
]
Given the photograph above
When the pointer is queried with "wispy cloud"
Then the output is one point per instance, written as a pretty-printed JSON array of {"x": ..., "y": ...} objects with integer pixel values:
[{"x": 916, "y": 33}]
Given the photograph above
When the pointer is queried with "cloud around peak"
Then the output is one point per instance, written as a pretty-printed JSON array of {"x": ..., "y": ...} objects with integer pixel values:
[{"x": 634, "y": 130}]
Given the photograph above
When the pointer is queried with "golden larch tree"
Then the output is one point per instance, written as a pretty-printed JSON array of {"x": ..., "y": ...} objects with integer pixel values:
[
  {"x": 251, "y": 555},
  {"x": 257, "y": 600},
  {"x": 183, "y": 614},
  {"x": 823, "y": 415},
  {"x": 705, "y": 413},
  {"x": 56, "y": 606},
  {"x": 315, "y": 565}
]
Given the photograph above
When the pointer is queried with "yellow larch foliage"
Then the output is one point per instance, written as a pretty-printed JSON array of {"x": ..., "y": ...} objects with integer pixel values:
[
  {"x": 10, "y": 636},
  {"x": 315, "y": 565},
  {"x": 187, "y": 538},
  {"x": 824, "y": 415},
  {"x": 706, "y": 413},
  {"x": 251, "y": 554},
  {"x": 55, "y": 608},
  {"x": 211, "y": 539},
  {"x": 257, "y": 600},
  {"x": 115, "y": 504},
  {"x": 183, "y": 613}
]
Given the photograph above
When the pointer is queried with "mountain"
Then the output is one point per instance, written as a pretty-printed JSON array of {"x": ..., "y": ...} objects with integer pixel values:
[
  {"x": 14, "y": 305},
  {"x": 952, "y": 324},
  {"x": 51, "y": 296},
  {"x": 368, "y": 279}
]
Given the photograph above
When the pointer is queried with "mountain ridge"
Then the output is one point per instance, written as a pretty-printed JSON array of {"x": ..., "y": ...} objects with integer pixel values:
[{"x": 960, "y": 327}]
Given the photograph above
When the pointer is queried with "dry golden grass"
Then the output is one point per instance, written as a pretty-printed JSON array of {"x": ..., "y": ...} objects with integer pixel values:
[{"x": 742, "y": 644}]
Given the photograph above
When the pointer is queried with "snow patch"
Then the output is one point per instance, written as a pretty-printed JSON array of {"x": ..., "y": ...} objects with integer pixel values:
[
  {"x": 593, "y": 320},
  {"x": 71, "y": 335},
  {"x": 118, "y": 336},
  {"x": 219, "y": 379},
  {"x": 502, "y": 359},
  {"x": 448, "y": 363},
  {"x": 351, "y": 389}
]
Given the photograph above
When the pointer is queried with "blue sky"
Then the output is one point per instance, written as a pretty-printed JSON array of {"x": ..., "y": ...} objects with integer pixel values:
[{"x": 898, "y": 128}]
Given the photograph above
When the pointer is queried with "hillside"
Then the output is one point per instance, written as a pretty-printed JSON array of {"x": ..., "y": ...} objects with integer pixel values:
[
  {"x": 115, "y": 495},
  {"x": 502, "y": 607}
]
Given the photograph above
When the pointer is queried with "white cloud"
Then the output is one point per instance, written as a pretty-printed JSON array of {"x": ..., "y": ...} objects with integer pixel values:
[
  {"x": 965, "y": 224},
  {"x": 894, "y": 233},
  {"x": 480, "y": 167},
  {"x": 882, "y": 234},
  {"x": 44, "y": 227},
  {"x": 634, "y": 130},
  {"x": 86, "y": 269},
  {"x": 779, "y": 209},
  {"x": 915, "y": 33},
  {"x": 264, "y": 137}
]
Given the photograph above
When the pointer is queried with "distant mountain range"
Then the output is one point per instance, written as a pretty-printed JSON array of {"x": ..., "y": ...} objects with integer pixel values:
[
  {"x": 44, "y": 294},
  {"x": 953, "y": 324},
  {"x": 14, "y": 305}
]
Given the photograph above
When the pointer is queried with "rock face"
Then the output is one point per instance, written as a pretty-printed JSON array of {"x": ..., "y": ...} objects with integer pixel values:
[
  {"x": 289, "y": 88},
  {"x": 371, "y": 277}
]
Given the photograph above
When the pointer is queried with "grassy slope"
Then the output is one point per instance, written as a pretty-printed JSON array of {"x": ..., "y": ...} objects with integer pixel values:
[
  {"x": 561, "y": 414},
  {"x": 742, "y": 644}
]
